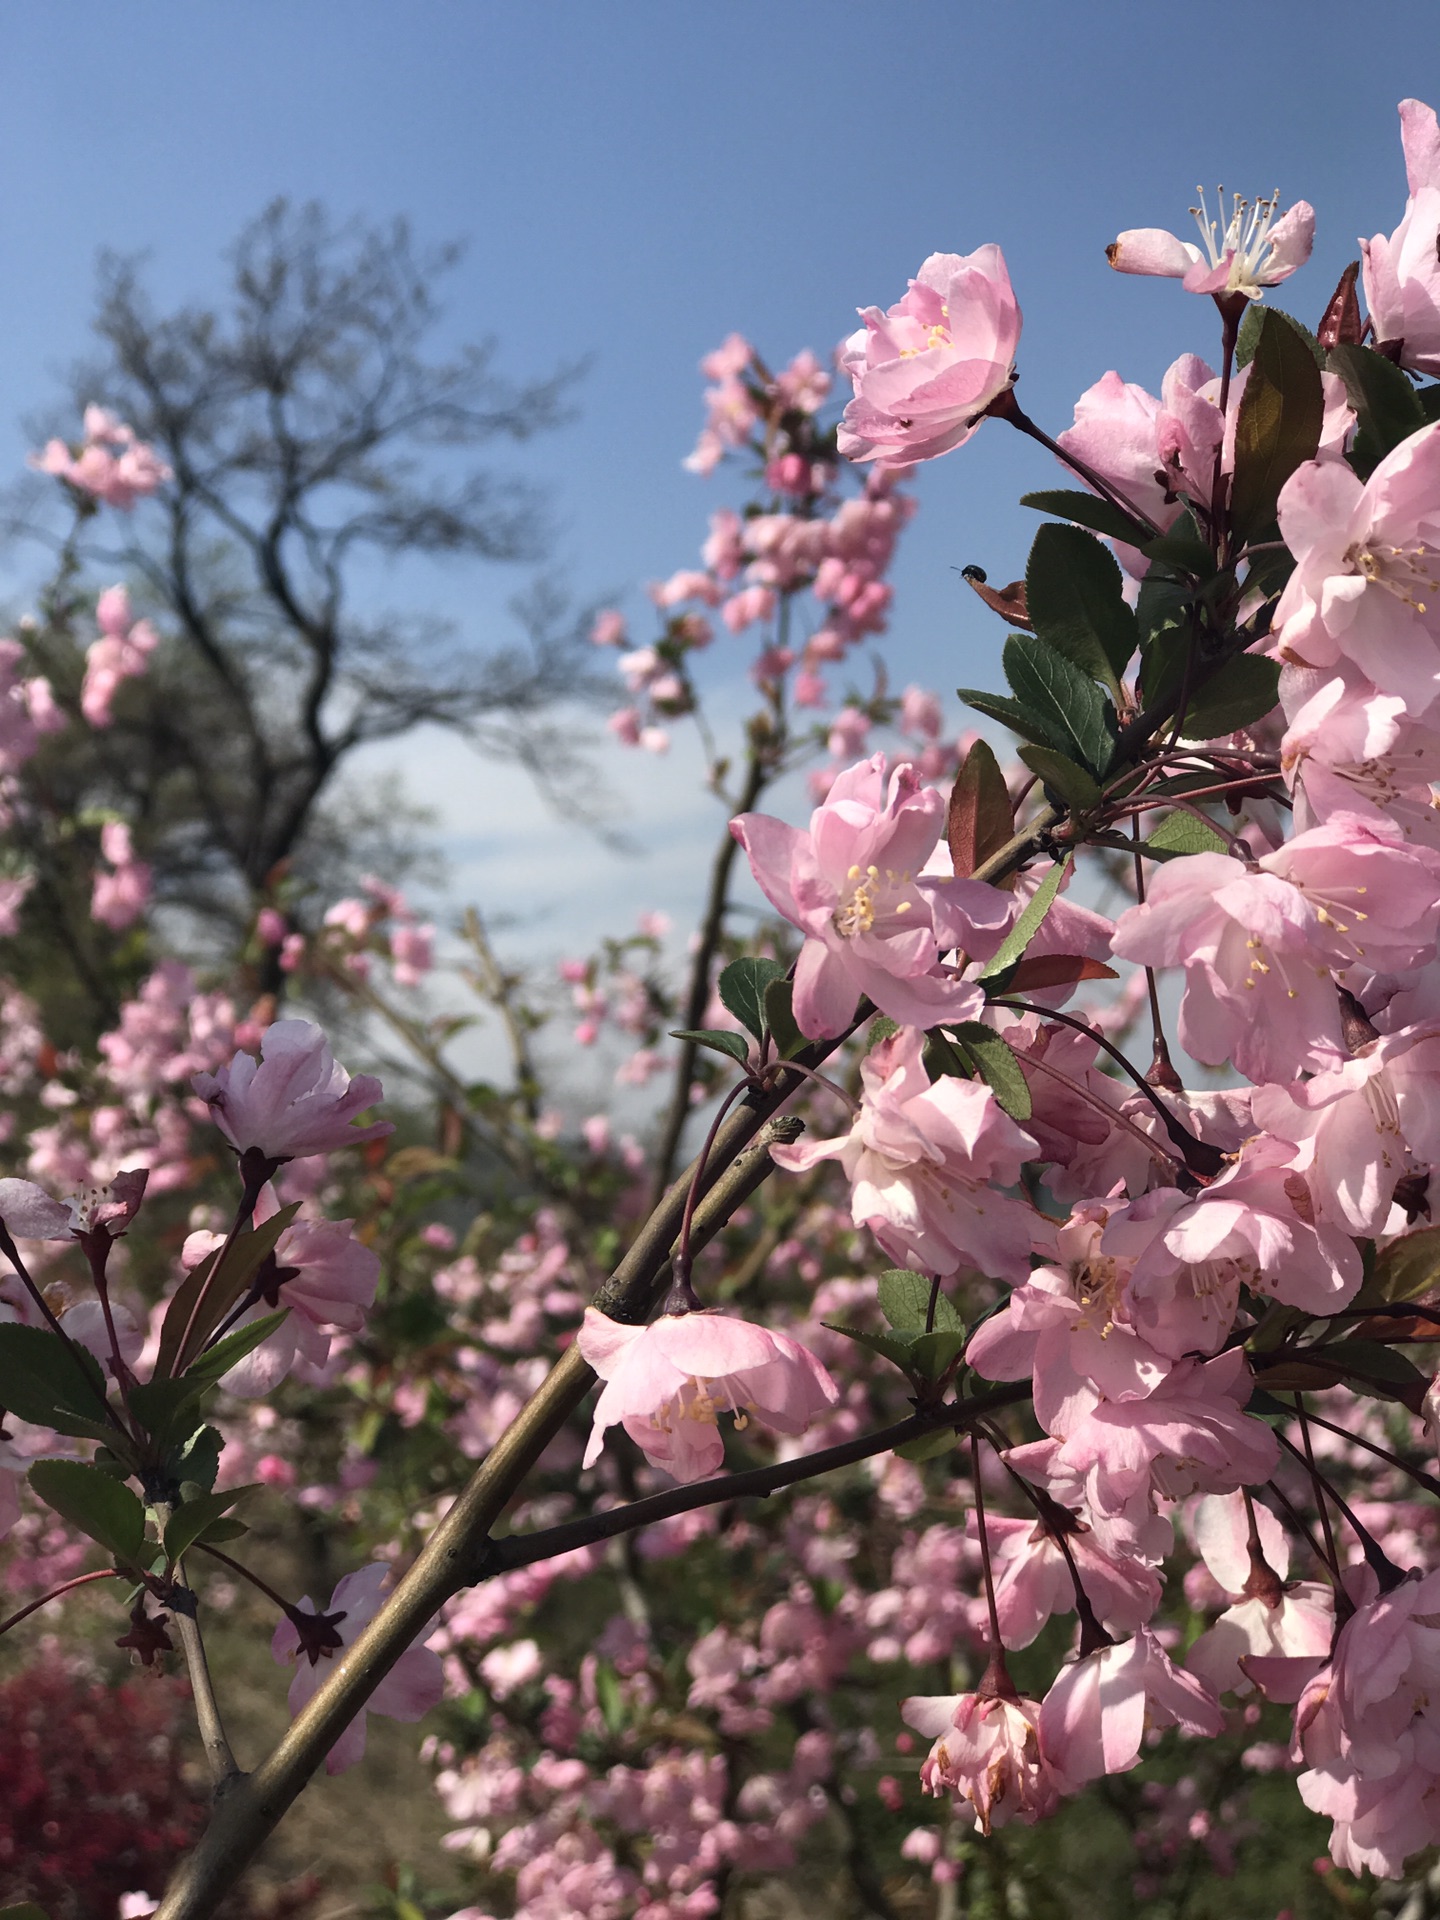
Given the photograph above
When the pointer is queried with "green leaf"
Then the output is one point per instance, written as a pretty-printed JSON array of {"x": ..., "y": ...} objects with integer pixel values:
[
  {"x": 1278, "y": 425},
  {"x": 1243, "y": 691},
  {"x": 1063, "y": 776},
  {"x": 1405, "y": 1269},
  {"x": 1074, "y": 594},
  {"x": 219, "y": 1531},
  {"x": 1250, "y": 333},
  {"x": 23, "y": 1910},
  {"x": 1089, "y": 510},
  {"x": 1183, "y": 546},
  {"x": 1026, "y": 927},
  {"x": 215, "y": 1363},
  {"x": 1387, "y": 408},
  {"x": 95, "y": 1503},
  {"x": 51, "y": 1382},
  {"x": 1010, "y": 713},
  {"x": 981, "y": 816},
  {"x": 905, "y": 1302},
  {"x": 932, "y": 1355},
  {"x": 192, "y": 1522},
  {"x": 780, "y": 1019},
  {"x": 1079, "y": 718},
  {"x": 1365, "y": 1366},
  {"x": 1162, "y": 605},
  {"x": 742, "y": 990},
  {"x": 995, "y": 1062},
  {"x": 1369, "y": 1363},
  {"x": 159, "y": 1404},
  {"x": 1181, "y": 833},
  {"x": 219, "y": 1294},
  {"x": 890, "y": 1346},
  {"x": 718, "y": 1040},
  {"x": 199, "y": 1459}
]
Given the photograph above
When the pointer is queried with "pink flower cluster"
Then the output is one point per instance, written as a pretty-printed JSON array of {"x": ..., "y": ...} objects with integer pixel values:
[{"x": 110, "y": 464}]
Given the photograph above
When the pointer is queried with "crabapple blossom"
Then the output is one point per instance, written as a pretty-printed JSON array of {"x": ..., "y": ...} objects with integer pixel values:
[
  {"x": 327, "y": 1280},
  {"x": 925, "y": 1164},
  {"x": 295, "y": 1100},
  {"x": 849, "y": 884},
  {"x": 1267, "y": 1619},
  {"x": 1366, "y": 585},
  {"x": 667, "y": 1382},
  {"x": 1258, "y": 941},
  {"x": 1033, "y": 1577},
  {"x": 1093, "y": 1719},
  {"x": 120, "y": 896},
  {"x": 111, "y": 463},
  {"x": 120, "y": 654},
  {"x": 925, "y": 371},
  {"x": 1350, "y": 749},
  {"x": 1257, "y": 248},
  {"x": 409, "y": 1690},
  {"x": 986, "y": 1755},
  {"x": 1401, "y": 272},
  {"x": 1253, "y": 1226},
  {"x": 1366, "y": 1726},
  {"x": 1190, "y": 1434}
]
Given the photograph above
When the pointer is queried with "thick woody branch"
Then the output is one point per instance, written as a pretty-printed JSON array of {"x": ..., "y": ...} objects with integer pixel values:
[
  {"x": 456, "y": 1554},
  {"x": 524, "y": 1549},
  {"x": 221, "y": 1761}
]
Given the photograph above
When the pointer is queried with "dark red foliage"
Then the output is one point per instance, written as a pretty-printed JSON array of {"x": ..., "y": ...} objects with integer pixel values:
[{"x": 93, "y": 1802}]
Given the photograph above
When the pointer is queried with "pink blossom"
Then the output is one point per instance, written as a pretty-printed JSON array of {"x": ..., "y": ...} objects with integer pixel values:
[
  {"x": 849, "y": 884},
  {"x": 986, "y": 1754},
  {"x": 1351, "y": 749},
  {"x": 743, "y": 609},
  {"x": 13, "y": 889},
  {"x": 1093, "y": 1719},
  {"x": 295, "y": 1100},
  {"x": 1401, "y": 272},
  {"x": 920, "y": 713},
  {"x": 1257, "y": 941},
  {"x": 1258, "y": 248},
  {"x": 326, "y": 1278},
  {"x": 1073, "y": 1324},
  {"x": 804, "y": 384},
  {"x": 412, "y": 953},
  {"x": 1254, "y": 1226},
  {"x": 1366, "y": 585},
  {"x": 608, "y": 628},
  {"x": 1267, "y": 1619},
  {"x": 925, "y": 1164},
  {"x": 119, "y": 897},
  {"x": 111, "y": 463},
  {"x": 270, "y": 927},
  {"x": 925, "y": 372},
  {"x": 121, "y": 653},
  {"x": 666, "y": 1384},
  {"x": 1363, "y": 1124},
  {"x": 1033, "y": 1578},
  {"x": 411, "y": 1688},
  {"x": 1189, "y": 1435},
  {"x": 1366, "y": 1724}
]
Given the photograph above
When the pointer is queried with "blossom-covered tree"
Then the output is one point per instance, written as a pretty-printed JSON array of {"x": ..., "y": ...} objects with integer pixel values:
[{"x": 1125, "y": 1474}]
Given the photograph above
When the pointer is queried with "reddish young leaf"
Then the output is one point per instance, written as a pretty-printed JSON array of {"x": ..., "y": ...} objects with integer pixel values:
[
  {"x": 1056, "y": 970},
  {"x": 981, "y": 818}
]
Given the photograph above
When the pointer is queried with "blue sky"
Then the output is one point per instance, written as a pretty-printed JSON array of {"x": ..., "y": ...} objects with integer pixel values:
[{"x": 637, "y": 177}]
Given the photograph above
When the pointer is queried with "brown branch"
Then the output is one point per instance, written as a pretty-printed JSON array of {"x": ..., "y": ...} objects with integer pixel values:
[
  {"x": 524, "y": 1549},
  {"x": 457, "y": 1552}
]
